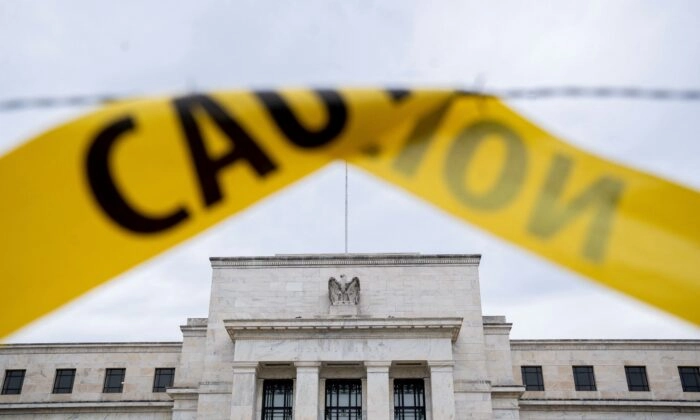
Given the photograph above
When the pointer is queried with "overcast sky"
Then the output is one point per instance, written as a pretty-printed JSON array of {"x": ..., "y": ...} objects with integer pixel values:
[{"x": 53, "y": 48}]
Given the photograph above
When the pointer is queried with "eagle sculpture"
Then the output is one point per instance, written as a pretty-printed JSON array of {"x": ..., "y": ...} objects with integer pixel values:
[{"x": 343, "y": 292}]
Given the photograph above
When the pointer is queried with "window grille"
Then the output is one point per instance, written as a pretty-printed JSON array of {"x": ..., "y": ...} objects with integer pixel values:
[
  {"x": 532, "y": 378},
  {"x": 409, "y": 399},
  {"x": 637, "y": 378},
  {"x": 163, "y": 379},
  {"x": 584, "y": 379},
  {"x": 343, "y": 399},
  {"x": 690, "y": 378},
  {"x": 114, "y": 380},
  {"x": 277, "y": 399},
  {"x": 63, "y": 384},
  {"x": 13, "y": 381}
]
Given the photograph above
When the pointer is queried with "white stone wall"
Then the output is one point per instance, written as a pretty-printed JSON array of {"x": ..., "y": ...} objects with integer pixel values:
[
  {"x": 475, "y": 374},
  {"x": 626, "y": 413},
  {"x": 505, "y": 389},
  {"x": 188, "y": 374},
  {"x": 391, "y": 286},
  {"x": 665, "y": 398},
  {"x": 72, "y": 414},
  {"x": 191, "y": 365},
  {"x": 90, "y": 361}
]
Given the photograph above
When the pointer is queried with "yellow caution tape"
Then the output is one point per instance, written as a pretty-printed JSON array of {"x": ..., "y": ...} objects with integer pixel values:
[{"x": 94, "y": 197}]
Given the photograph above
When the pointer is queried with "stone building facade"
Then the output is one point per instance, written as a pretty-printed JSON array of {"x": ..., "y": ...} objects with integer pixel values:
[{"x": 371, "y": 336}]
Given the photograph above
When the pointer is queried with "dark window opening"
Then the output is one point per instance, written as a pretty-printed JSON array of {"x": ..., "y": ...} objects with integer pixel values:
[
  {"x": 409, "y": 399},
  {"x": 163, "y": 379},
  {"x": 584, "y": 379},
  {"x": 63, "y": 384},
  {"x": 637, "y": 378},
  {"x": 278, "y": 396},
  {"x": 343, "y": 399},
  {"x": 114, "y": 380},
  {"x": 13, "y": 382},
  {"x": 532, "y": 378},
  {"x": 690, "y": 378}
]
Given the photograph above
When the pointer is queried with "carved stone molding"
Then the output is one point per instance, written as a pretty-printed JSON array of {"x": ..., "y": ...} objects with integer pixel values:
[
  {"x": 307, "y": 365},
  {"x": 242, "y": 329},
  {"x": 332, "y": 260},
  {"x": 377, "y": 363},
  {"x": 587, "y": 344},
  {"x": 77, "y": 348}
]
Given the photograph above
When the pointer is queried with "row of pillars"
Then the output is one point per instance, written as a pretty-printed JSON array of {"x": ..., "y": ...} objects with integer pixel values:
[{"x": 379, "y": 396}]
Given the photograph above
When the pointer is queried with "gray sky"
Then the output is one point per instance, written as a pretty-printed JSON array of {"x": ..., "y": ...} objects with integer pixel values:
[{"x": 141, "y": 47}]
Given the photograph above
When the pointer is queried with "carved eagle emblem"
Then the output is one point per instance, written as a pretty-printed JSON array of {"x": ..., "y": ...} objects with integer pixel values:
[{"x": 343, "y": 292}]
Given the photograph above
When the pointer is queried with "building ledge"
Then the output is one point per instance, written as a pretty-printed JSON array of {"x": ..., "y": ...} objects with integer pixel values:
[
  {"x": 86, "y": 406},
  {"x": 195, "y": 327},
  {"x": 507, "y": 391},
  {"x": 241, "y": 329},
  {"x": 183, "y": 393},
  {"x": 316, "y": 260},
  {"x": 610, "y": 404},
  {"x": 496, "y": 325},
  {"x": 587, "y": 344},
  {"x": 69, "y": 348}
]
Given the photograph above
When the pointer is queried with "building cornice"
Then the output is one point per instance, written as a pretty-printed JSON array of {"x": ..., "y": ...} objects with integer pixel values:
[
  {"x": 521, "y": 345},
  {"x": 102, "y": 407},
  {"x": 183, "y": 393},
  {"x": 323, "y": 260},
  {"x": 507, "y": 391},
  {"x": 620, "y": 405},
  {"x": 54, "y": 348},
  {"x": 241, "y": 329}
]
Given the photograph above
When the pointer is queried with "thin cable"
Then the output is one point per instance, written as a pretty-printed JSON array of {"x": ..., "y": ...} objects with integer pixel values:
[
  {"x": 57, "y": 101},
  {"x": 533, "y": 93},
  {"x": 595, "y": 92}
]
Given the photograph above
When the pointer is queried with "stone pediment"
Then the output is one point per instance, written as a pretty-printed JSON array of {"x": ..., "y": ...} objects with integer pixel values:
[{"x": 301, "y": 328}]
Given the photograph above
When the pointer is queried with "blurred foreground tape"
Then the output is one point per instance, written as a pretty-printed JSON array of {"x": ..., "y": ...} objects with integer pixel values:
[{"x": 92, "y": 198}]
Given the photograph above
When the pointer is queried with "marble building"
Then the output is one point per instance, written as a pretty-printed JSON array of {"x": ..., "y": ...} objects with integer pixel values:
[{"x": 358, "y": 336}]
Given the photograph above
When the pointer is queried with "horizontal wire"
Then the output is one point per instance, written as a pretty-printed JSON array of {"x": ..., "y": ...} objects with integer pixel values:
[
  {"x": 600, "y": 92},
  {"x": 56, "y": 101},
  {"x": 561, "y": 92}
]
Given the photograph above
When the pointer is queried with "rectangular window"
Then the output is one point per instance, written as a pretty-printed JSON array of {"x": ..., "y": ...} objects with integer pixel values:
[
  {"x": 690, "y": 378},
  {"x": 63, "y": 384},
  {"x": 637, "y": 378},
  {"x": 532, "y": 378},
  {"x": 114, "y": 380},
  {"x": 409, "y": 399},
  {"x": 13, "y": 381},
  {"x": 343, "y": 399},
  {"x": 278, "y": 396},
  {"x": 584, "y": 379},
  {"x": 163, "y": 379}
]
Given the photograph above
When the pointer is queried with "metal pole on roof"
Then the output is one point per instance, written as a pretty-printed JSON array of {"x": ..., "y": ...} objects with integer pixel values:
[{"x": 346, "y": 206}]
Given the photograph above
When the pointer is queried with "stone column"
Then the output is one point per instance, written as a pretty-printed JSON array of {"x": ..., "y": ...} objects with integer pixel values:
[
  {"x": 379, "y": 396},
  {"x": 243, "y": 396},
  {"x": 306, "y": 391},
  {"x": 442, "y": 389}
]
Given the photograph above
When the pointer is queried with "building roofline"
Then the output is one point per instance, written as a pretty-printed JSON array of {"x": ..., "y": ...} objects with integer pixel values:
[
  {"x": 602, "y": 340},
  {"x": 316, "y": 260},
  {"x": 136, "y": 346},
  {"x": 601, "y": 344}
]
